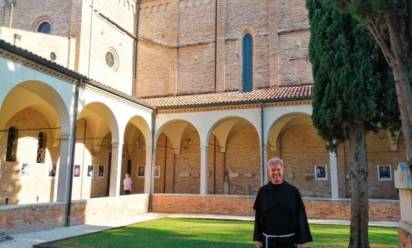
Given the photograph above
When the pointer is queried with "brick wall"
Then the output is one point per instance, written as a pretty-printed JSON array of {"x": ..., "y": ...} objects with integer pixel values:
[
  {"x": 171, "y": 48},
  {"x": 25, "y": 218},
  {"x": 34, "y": 217},
  {"x": 380, "y": 210},
  {"x": 27, "y": 15},
  {"x": 35, "y": 185},
  {"x": 405, "y": 238}
]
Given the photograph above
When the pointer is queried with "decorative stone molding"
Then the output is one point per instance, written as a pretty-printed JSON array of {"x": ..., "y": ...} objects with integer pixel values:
[
  {"x": 32, "y": 65},
  {"x": 293, "y": 27}
]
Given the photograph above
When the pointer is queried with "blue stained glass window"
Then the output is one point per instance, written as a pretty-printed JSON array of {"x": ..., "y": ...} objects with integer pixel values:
[{"x": 247, "y": 72}]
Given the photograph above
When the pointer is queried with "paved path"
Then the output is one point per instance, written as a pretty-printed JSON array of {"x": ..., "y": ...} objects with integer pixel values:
[{"x": 27, "y": 240}]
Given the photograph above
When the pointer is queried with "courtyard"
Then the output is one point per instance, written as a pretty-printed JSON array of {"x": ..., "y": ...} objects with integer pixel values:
[{"x": 202, "y": 233}]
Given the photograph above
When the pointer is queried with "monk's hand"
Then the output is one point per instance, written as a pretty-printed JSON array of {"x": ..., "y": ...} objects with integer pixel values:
[
  {"x": 259, "y": 244},
  {"x": 299, "y": 246}
]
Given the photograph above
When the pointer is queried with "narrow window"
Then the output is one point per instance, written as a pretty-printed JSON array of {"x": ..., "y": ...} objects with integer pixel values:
[
  {"x": 247, "y": 77},
  {"x": 41, "y": 148},
  {"x": 12, "y": 144}
]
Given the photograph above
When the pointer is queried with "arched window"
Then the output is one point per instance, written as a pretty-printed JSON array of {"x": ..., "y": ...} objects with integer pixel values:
[
  {"x": 44, "y": 27},
  {"x": 12, "y": 138},
  {"x": 247, "y": 72},
  {"x": 41, "y": 148}
]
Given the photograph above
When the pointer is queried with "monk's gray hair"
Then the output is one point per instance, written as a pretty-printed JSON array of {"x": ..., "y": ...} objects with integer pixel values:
[{"x": 275, "y": 161}]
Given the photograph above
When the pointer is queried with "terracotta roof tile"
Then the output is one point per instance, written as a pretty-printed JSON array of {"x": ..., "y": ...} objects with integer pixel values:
[{"x": 260, "y": 95}]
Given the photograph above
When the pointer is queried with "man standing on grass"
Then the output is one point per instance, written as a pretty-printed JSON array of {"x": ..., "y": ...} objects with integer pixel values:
[{"x": 280, "y": 219}]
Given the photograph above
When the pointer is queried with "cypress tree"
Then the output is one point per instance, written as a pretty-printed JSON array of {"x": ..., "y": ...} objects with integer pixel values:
[{"x": 353, "y": 93}]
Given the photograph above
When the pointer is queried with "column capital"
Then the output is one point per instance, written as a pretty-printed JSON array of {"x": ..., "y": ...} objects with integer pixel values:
[
  {"x": 204, "y": 147},
  {"x": 116, "y": 144}
]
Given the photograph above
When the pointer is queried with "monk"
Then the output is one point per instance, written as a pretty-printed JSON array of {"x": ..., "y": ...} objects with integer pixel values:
[{"x": 280, "y": 217}]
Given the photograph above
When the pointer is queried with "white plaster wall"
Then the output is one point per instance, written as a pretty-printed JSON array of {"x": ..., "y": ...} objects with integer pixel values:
[
  {"x": 43, "y": 45},
  {"x": 96, "y": 38}
]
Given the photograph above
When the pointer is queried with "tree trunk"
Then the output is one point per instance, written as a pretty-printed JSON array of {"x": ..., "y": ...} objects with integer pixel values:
[
  {"x": 396, "y": 50},
  {"x": 403, "y": 93},
  {"x": 359, "y": 183}
]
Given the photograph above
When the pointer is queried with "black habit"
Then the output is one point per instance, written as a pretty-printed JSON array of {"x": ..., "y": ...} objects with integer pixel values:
[{"x": 279, "y": 211}]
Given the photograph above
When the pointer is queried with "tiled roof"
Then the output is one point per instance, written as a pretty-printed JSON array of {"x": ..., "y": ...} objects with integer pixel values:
[{"x": 277, "y": 94}]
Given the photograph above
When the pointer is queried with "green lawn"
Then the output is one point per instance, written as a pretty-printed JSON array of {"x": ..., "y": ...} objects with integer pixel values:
[{"x": 199, "y": 233}]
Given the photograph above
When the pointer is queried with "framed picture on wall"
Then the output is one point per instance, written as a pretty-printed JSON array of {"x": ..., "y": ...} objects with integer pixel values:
[
  {"x": 90, "y": 171},
  {"x": 321, "y": 172},
  {"x": 100, "y": 171},
  {"x": 157, "y": 171},
  {"x": 76, "y": 171},
  {"x": 25, "y": 169},
  {"x": 140, "y": 171},
  {"x": 52, "y": 170},
  {"x": 384, "y": 172}
]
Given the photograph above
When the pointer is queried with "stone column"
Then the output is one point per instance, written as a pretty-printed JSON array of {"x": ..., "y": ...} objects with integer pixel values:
[
  {"x": 264, "y": 172},
  {"x": 334, "y": 186},
  {"x": 403, "y": 182},
  {"x": 115, "y": 173},
  {"x": 63, "y": 182},
  {"x": 150, "y": 163},
  {"x": 203, "y": 169}
]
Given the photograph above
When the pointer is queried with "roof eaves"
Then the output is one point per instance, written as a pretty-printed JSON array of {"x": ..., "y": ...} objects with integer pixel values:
[
  {"x": 26, "y": 54},
  {"x": 244, "y": 102}
]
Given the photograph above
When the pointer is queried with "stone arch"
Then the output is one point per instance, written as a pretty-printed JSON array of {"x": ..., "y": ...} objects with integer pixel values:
[
  {"x": 234, "y": 160},
  {"x": 34, "y": 106},
  {"x": 137, "y": 141},
  {"x": 101, "y": 117},
  {"x": 278, "y": 125},
  {"x": 293, "y": 138},
  {"x": 177, "y": 158}
]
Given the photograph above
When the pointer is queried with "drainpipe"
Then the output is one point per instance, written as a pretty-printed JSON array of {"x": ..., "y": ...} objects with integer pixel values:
[
  {"x": 73, "y": 144},
  {"x": 12, "y": 3},
  {"x": 262, "y": 134},
  {"x": 154, "y": 114},
  {"x": 135, "y": 48}
]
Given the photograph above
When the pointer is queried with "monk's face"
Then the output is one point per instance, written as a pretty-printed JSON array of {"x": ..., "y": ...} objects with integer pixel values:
[{"x": 276, "y": 173}]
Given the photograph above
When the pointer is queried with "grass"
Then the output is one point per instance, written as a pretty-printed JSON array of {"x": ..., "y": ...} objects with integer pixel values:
[{"x": 201, "y": 233}]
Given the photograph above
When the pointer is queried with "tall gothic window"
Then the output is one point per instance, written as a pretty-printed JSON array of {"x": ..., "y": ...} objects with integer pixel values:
[
  {"x": 12, "y": 138},
  {"x": 41, "y": 148},
  {"x": 247, "y": 72}
]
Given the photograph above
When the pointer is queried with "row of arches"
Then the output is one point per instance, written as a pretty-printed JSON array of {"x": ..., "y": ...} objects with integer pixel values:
[{"x": 207, "y": 153}]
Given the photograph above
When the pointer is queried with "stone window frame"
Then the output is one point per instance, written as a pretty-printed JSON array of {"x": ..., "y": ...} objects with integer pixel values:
[
  {"x": 116, "y": 60},
  {"x": 40, "y": 21},
  {"x": 247, "y": 31},
  {"x": 315, "y": 171},
  {"x": 380, "y": 178}
]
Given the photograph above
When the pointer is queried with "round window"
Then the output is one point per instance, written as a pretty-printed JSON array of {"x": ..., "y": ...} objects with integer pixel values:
[
  {"x": 53, "y": 56},
  {"x": 112, "y": 59},
  {"x": 44, "y": 27}
]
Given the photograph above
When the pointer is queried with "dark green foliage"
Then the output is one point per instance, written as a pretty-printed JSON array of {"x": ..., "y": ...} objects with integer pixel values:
[
  {"x": 362, "y": 9},
  {"x": 352, "y": 83}
]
